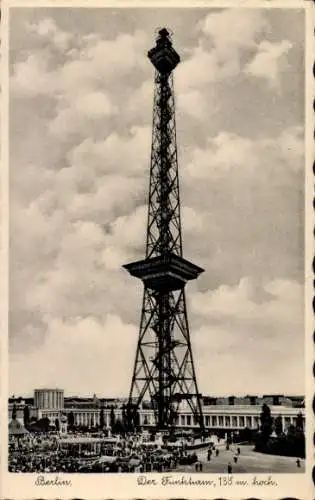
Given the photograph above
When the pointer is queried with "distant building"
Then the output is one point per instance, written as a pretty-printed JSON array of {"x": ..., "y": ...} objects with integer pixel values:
[
  {"x": 223, "y": 415},
  {"x": 269, "y": 399},
  {"x": 49, "y": 399},
  {"x": 20, "y": 404}
]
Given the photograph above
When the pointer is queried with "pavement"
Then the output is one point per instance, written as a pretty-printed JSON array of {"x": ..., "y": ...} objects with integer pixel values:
[{"x": 248, "y": 461}]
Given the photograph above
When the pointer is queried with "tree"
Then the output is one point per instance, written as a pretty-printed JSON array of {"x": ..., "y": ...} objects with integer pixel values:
[
  {"x": 266, "y": 421},
  {"x": 102, "y": 419},
  {"x": 57, "y": 424},
  {"x": 112, "y": 417},
  {"x": 291, "y": 433},
  {"x": 129, "y": 418},
  {"x": 71, "y": 420},
  {"x": 299, "y": 422},
  {"x": 124, "y": 417},
  {"x": 173, "y": 417},
  {"x": 43, "y": 424},
  {"x": 14, "y": 412},
  {"x": 136, "y": 418},
  {"x": 245, "y": 434},
  {"x": 26, "y": 416},
  {"x": 118, "y": 427},
  {"x": 278, "y": 426}
]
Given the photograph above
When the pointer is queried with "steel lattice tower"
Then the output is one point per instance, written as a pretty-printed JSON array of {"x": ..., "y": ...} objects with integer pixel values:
[{"x": 164, "y": 370}]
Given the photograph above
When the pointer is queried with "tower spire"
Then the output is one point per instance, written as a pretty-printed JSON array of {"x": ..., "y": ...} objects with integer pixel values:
[{"x": 164, "y": 371}]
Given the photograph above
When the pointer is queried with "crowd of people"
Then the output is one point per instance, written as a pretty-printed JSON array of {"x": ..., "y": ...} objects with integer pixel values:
[
  {"x": 26, "y": 461},
  {"x": 128, "y": 454}
]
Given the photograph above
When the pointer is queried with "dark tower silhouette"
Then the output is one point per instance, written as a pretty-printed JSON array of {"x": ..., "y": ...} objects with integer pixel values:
[{"x": 164, "y": 371}]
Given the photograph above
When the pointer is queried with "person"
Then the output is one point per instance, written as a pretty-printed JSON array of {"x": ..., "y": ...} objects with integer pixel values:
[
  {"x": 229, "y": 468},
  {"x": 217, "y": 452},
  {"x": 298, "y": 463},
  {"x": 197, "y": 466},
  {"x": 200, "y": 467},
  {"x": 238, "y": 451},
  {"x": 235, "y": 459},
  {"x": 209, "y": 456}
]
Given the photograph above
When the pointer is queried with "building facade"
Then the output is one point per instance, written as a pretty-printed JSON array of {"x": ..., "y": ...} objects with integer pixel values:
[
  {"x": 49, "y": 399},
  {"x": 219, "y": 417},
  {"x": 220, "y": 414}
]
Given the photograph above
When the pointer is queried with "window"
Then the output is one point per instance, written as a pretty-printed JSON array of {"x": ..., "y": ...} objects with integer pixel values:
[
  {"x": 188, "y": 420},
  {"x": 220, "y": 421},
  {"x": 207, "y": 421},
  {"x": 183, "y": 419},
  {"x": 242, "y": 422},
  {"x": 227, "y": 421},
  {"x": 234, "y": 421},
  {"x": 249, "y": 422},
  {"x": 214, "y": 421}
]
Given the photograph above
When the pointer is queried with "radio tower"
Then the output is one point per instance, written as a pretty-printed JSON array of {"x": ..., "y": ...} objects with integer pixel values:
[{"x": 164, "y": 371}]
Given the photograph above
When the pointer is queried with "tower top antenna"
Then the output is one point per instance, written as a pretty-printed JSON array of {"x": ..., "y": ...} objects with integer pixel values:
[
  {"x": 163, "y": 56},
  {"x": 164, "y": 33},
  {"x": 163, "y": 30}
]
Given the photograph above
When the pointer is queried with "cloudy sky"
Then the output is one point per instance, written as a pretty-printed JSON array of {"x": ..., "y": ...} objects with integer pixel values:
[{"x": 81, "y": 92}]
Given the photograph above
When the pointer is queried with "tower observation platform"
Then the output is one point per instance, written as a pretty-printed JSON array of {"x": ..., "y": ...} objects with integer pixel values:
[
  {"x": 167, "y": 272},
  {"x": 164, "y": 371}
]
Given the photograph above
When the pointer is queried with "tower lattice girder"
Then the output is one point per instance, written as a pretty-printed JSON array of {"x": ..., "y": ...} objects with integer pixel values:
[{"x": 164, "y": 371}]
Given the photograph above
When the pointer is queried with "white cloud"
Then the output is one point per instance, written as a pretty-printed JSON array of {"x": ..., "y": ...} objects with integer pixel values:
[
  {"x": 238, "y": 324},
  {"x": 49, "y": 31},
  {"x": 85, "y": 354},
  {"x": 223, "y": 153},
  {"x": 141, "y": 101},
  {"x": 234, "y": 29},
  {"x": 128, "y": 231},
  {"x": 194, "y": 221},
  {"x": 228, "y": 153},
  {"x": 80, "y": 84},
  {"x": 192, "y": 103},
  {"x": 232, "y": 321},
  {"x": 291, "y": 146},
  {"x": 227, "y": 39},
  {"x": 199, "y": 70},
  {"x": 74, "y": 116},
  {"x": 268, "y": 62},
  {"x": 94, "y": 104},
  {"x": 32, "y": 77},
  {"x": 277, "y": 306},
  {"x": 128, "y": 154}
]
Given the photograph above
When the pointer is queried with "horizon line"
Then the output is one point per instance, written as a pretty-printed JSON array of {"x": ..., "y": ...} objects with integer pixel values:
[{"x": 94, "y": 395}]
